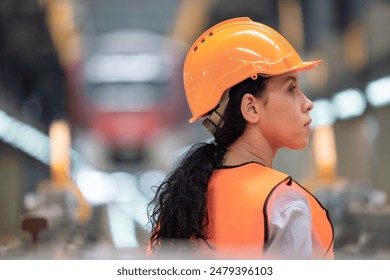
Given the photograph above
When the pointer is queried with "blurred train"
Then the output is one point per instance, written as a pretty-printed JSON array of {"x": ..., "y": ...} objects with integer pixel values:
[{"x": 132, "y": 91}]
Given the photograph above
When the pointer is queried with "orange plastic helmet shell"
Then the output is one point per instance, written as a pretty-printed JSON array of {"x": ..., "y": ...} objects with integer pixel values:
[{"x": 231, "y": 52}]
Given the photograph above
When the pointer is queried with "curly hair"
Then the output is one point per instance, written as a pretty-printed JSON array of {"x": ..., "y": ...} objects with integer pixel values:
[{"x": 178, "y": 211}]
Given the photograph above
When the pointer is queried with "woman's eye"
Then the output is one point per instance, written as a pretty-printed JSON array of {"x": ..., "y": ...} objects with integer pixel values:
[{"x": 292, "y": 89}]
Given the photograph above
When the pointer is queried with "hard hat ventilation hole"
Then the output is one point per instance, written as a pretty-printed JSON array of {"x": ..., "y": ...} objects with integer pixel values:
[
  {"x": 203, "y": 40},
  {"x": 254, "y": 77}
]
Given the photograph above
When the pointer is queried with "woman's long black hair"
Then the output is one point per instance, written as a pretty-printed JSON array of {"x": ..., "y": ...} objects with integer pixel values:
[{"x": 178, "y": 210}]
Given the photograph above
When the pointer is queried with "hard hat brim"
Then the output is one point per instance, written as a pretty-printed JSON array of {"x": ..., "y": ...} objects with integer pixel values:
[{"x": 307, "y": 65}]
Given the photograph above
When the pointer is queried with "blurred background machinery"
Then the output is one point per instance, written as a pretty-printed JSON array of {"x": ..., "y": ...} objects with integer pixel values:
[{"x": 93, "y": 114}]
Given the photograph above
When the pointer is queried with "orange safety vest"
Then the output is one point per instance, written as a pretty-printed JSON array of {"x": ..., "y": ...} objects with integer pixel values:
[{"x": 237, "y": 202}]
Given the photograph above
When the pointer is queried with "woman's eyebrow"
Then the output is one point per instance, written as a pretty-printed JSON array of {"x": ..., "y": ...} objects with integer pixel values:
[{"x": 289, "y": 78}]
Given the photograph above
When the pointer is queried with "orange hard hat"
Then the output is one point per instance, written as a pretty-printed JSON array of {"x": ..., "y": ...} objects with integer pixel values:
[{"x": 231, "y": 52}]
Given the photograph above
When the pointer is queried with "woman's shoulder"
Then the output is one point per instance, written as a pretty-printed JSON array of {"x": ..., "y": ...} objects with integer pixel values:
[{"x": 288, "y": 196}]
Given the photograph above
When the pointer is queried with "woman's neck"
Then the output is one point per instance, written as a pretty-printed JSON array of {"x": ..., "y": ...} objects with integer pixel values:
[{"x": 249, "y": 148}]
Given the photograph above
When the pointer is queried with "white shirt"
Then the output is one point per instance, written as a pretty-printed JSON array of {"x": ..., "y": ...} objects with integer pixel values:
[{"x": 289, "y": 224}]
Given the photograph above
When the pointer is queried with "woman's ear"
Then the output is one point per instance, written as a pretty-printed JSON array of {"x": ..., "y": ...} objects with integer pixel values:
[{"x": 250, "y": 108}]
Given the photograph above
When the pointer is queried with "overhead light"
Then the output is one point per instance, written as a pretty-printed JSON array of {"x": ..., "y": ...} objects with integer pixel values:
[
  {"x": 323, "y": 113},
  {"x": 378, "y": 92},
  {"x": 24, "y": 137},
  {"x": 349, "y": 103}
]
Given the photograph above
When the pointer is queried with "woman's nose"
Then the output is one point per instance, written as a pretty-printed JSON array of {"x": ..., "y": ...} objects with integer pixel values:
[{"x": 307, "y": 105}]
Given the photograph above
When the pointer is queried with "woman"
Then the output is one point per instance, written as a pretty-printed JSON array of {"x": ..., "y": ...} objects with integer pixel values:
[{"x": 223, "y": 199}]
